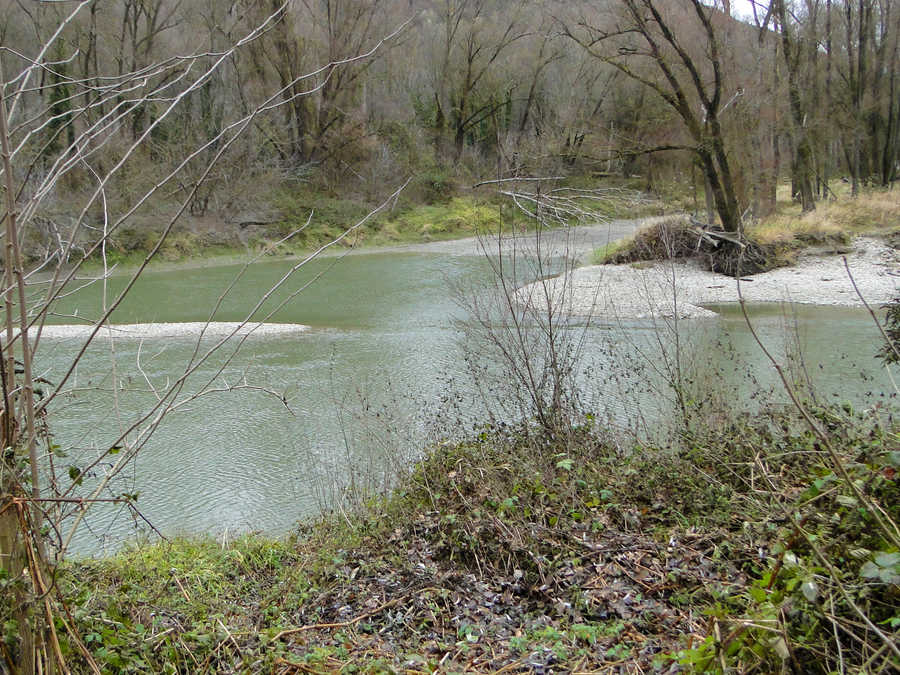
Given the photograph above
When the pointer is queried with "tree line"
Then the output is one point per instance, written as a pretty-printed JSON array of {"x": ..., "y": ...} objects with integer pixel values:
[{"x": 470, "y": 88}]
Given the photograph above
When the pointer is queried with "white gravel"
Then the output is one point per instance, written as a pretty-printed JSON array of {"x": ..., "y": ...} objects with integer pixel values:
[
  {"x": 192, "y": 329},
  {"x": 644, "y": 290}
]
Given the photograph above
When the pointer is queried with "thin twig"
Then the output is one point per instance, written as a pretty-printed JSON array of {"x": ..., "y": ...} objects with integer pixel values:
[{"x": 355, "y": 620}]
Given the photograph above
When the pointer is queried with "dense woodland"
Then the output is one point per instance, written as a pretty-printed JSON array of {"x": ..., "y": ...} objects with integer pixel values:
[{"x": 353, "y": 96}]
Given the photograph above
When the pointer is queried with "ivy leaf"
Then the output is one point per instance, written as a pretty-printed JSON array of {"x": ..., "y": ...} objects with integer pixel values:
[
  {"x": 565, "y": 464},
  {"x": 889, "y": 576},
  {"x": 885, "y": 568},
  {"x": 76, "y": 475},
  {"x": 887, "y": 559}
]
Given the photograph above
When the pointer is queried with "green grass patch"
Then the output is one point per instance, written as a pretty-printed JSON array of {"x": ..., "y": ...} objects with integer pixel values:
[
  {"x": 609, "y": 252},
  {"x": 171, "y": 607},
  {"x": 405, "y": 222},
  {"x": 458, "y": 217}
]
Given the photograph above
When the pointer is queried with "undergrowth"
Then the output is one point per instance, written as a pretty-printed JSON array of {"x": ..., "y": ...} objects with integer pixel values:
[{"x": 517, "y": 551}]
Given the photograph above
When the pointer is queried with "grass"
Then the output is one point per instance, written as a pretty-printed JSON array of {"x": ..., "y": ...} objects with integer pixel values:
[
  {"x": 165, "y": 608},
  {"x": 458, "y": 217},
  {"x": 875, "y": 212},
  {"x": 434, "y": 208}
]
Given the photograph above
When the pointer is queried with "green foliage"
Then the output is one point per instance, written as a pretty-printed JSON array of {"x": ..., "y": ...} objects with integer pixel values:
[
  {"x": 460, "y": 216},
  {"x": 827, "y": 554},
  {"x": 609, "y": 253},
  {"x": 436, "y": 185},
  {"x": 546, "y": 527},
  {"x": 169, "y": 607}
]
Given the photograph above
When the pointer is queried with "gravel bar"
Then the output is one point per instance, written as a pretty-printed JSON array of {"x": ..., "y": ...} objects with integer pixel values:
[
  {"x": 191, "y": 329},
  {"x": 668, "y": 289}
]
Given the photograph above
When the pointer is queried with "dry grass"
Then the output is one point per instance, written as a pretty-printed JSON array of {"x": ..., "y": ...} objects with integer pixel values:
[{"x": 875, "y": 212}]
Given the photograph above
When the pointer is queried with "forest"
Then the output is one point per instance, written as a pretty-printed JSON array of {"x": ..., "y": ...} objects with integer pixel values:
[{"x": 350, "y": 97}]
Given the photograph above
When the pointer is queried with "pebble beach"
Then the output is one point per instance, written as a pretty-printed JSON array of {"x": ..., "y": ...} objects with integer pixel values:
[{"x": 680, "y": 289}]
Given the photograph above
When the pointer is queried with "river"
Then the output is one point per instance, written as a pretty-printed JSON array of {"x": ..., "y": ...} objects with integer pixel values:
[{"x": 363, "y": 388}]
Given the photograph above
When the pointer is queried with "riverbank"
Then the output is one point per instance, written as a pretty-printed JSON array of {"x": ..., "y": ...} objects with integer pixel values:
[
  {"x": 548, "y": 555},
  {"x": 306, "y": 220},
  {"x": 680, "y": 287}
]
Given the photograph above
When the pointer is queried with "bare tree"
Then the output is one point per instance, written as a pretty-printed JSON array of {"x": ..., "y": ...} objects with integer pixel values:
[
  {"x": 798, "y": 52},
  {"x": 472, "y": 40},
  {"x": 656, "y": 44}
]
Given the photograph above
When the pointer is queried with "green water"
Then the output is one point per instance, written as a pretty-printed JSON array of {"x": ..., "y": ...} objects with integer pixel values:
[{"x": 364, "y": 387}]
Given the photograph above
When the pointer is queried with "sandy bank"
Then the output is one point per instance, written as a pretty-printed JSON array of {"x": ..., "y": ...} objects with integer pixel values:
[
  {"x": 643, "y": 290},
  {"x": 140, "y": 331}
]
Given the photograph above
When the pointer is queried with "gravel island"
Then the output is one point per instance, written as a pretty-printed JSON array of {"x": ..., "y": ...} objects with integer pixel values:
[{"x": 680, "y": 288}]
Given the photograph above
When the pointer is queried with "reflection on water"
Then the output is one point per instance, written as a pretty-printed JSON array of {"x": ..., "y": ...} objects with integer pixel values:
[{"x": 362, "y": 387}]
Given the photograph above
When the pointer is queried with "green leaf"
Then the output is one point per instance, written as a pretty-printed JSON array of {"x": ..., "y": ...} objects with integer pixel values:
[
  {"x": 870, "y": 571},
  {"x": 889, "y": 576},
  {"x": 887, "y": 559},
  {"x": 846, "y": 500},
  {"x": 780, "y": 647},
  {"x": 75, "y": 475},
  {"x": 565, "y": 464},
  {"x": 810, "y": 590},
  {"x": 758, "y": 594}
]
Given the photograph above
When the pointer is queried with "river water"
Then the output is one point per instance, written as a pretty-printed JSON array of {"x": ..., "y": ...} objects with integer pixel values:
[{"x": 364, "y": 387}]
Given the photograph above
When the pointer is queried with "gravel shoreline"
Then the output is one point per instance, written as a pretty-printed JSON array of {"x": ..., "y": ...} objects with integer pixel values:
[
  {"x": 191, "y": 329},
  {"x": 669, "y": 289}
]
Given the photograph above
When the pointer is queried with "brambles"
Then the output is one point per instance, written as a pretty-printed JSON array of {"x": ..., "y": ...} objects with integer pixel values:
[{"x": 498, "y": 549}]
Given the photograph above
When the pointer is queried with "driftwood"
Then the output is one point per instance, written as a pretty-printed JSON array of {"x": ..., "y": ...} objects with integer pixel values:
[{"x": 713, "y": 236}]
